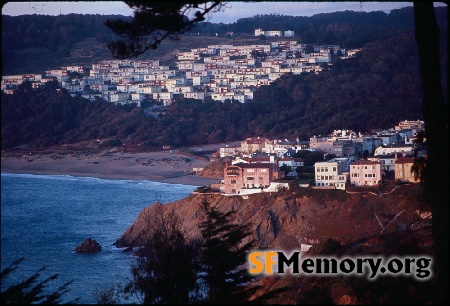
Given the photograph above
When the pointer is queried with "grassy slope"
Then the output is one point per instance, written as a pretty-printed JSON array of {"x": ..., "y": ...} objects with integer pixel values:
[{"x": 90, "y": 51}]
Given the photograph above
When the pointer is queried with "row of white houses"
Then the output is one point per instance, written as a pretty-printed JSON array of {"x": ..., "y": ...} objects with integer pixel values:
[{"x": 219, "y": 72}]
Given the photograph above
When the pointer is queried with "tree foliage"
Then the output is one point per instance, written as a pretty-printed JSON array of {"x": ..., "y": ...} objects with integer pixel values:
[
  {"x": 165, "y": 271},
  {"x": 31, "y": 290},
  {"x": 223, "y": 254},
  {"x": 155, "y": 21},
  {"x": 435, "y": 112}
]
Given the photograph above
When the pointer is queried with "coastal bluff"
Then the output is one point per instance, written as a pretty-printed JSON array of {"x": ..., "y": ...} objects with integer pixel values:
[
  {"x": 358, "y": 224},
  {"x": 290, "y": 218}
]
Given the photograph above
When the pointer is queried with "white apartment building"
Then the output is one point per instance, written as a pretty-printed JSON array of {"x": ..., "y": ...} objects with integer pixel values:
[
  {"x": 331, "y": 173},
  {"x": 116, "y": 97},
  {"x": 200, "y": 80},
  {"x": 196, "y": 95},
  {"x": 395, "y": 148},
  {"x": 165, "y": 97},
  {"x": 288, "y": 33}
]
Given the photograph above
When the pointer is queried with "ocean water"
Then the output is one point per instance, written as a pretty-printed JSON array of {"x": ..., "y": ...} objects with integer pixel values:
[{"x": 43, "y": 218}]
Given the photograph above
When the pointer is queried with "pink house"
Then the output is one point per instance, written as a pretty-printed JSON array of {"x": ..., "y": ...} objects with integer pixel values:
[
  {"x": 365, "y": 173},
  {"x": 244, "y": 176}
]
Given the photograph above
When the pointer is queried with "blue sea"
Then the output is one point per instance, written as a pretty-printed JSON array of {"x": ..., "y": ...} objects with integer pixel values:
[{"x": 44, "y": 217}]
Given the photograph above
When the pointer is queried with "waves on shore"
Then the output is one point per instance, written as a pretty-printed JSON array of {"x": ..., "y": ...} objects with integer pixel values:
[{"x": 87, "y": 178}]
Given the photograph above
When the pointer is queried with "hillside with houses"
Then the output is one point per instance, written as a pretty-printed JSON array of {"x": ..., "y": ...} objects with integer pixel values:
[
  {"x": 217, "y": 72},
  {"x": 342, "y": 160},
  {"x": 370, "y": 89}
]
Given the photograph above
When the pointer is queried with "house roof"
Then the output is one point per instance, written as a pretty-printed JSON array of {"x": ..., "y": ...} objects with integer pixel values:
[
  {"x": 259, "y": 159},
  {"x": 397, "y": 145},
  {"x": 250, "y": 166},
  {"x": 391, "y": 155},
  {"x": 365, "y": 162},
  {"x": 255, "y": 140},
  {"x": 405, "y": 160}
]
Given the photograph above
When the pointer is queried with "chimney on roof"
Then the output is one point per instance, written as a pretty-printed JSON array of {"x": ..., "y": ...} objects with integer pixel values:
[{"x": 395, "y": 156}]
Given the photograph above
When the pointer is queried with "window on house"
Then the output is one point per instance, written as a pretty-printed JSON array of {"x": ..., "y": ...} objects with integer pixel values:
[
  {"x": 233, "y": 181},
  {"x": 334, "y": 168},
  {"x": 249, "y": 178},
  {"x": 261, "y": 178}
]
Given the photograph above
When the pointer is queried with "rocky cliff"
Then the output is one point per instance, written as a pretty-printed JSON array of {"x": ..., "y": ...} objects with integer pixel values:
[
  {"x": 360, "y": 223},
  {"x": 302, "y": 216}
]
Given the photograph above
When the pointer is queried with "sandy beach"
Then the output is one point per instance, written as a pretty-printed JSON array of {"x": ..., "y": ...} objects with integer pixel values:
[{"x": 164, "y": 166}]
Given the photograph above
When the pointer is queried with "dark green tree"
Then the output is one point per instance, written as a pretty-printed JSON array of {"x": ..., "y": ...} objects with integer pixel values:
[
  {"x": 31, "y": 290},
  {"x": 309, "y": 48},
  {"x": 165, "y": 271},
  {"x": 223, "y": 254},
  {"x": 435, "y": 112},
  {"x": 155, "y": 21},
  {"x": 258, "y": 54},
  {"x": 310, "y": 157},
  {"x": 286, "y": 169}
]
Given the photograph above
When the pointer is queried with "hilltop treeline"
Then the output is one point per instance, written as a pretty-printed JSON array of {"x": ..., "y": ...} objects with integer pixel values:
[
  {"x": 34, "y": 43},
  {"x": 376, "y": 89},
  {"x": 52, "y": 32},
  {"x": 348, "y": 29}
]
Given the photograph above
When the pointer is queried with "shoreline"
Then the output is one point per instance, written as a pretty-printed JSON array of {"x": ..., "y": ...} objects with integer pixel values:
[{"x": 164, "y": 167}]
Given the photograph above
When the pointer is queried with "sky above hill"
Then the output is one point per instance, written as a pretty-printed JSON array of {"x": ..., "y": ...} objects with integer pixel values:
[{"x": 231, "y": 13}]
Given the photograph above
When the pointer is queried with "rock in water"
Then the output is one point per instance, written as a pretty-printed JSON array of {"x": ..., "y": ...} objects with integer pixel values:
[{"x": 88, "y": 246}]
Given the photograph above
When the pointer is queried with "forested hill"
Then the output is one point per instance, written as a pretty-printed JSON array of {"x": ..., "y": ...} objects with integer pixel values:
[{"x": 376, "y": 89}]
